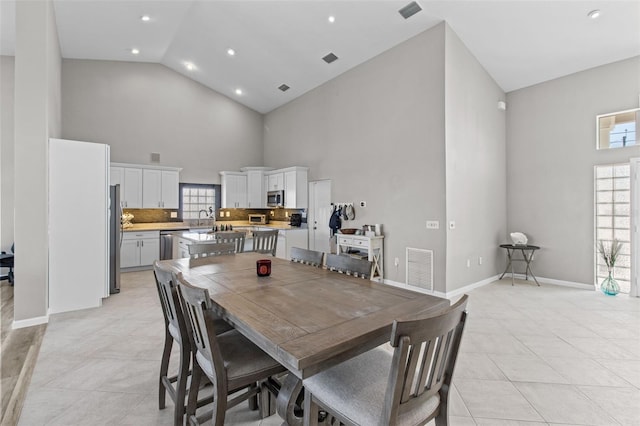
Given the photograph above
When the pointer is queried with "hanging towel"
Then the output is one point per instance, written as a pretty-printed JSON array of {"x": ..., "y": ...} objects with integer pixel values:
[{"x": 350, "y": 213}]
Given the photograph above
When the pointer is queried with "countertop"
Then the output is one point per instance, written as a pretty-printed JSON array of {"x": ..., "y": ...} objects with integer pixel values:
[{"x": 178, "y": 226}]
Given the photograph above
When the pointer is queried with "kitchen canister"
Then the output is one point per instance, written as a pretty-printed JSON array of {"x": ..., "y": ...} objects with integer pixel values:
[{"x": 378, "y": 228}]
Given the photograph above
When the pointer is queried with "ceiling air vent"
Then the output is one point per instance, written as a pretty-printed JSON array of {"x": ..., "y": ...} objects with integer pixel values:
[
  {"x": 410, "y": 10},
  {"x": 284, "y": 87},
  {"x": 330, "y": 58}
]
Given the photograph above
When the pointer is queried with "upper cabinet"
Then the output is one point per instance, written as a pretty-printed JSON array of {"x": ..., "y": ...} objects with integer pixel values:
[
  {"x": 144, "y": 186},
  {"x": 255, "y": 189},
  {"x": 130, "y": 181},
  {"x": 234, "y": 189},
  {"x": 248, "y": 188},
  {"x": 160, "y": 189},
  {"x": 276, "y": 181},
  {"x": 295, "y": 187}
]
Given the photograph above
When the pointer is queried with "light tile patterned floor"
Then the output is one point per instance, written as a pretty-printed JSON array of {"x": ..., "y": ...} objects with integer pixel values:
[{"x": 530, "y": 356}]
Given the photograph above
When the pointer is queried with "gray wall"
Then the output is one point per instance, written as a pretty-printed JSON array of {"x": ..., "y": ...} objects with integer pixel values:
[
  {"x": 37, "y": 117},
  {"x": 475, "y": 167},
  {"x": 551, "y": 152},
  {"x": 377, "y": 131},
  {"x": 140, "y": 108},
  {"x": 6, "y": 151}
]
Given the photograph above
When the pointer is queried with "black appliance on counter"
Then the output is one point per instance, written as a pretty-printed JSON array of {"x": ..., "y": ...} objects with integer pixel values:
[{"x": 296, "y": 219}]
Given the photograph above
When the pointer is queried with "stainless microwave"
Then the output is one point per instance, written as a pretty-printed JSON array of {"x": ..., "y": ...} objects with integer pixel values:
[
  {"x": 275, "y": 199},
  {"x": 258, "y": 219}
]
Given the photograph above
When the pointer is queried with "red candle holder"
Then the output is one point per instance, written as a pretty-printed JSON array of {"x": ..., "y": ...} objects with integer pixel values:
[{"x": 263, "y": 267}]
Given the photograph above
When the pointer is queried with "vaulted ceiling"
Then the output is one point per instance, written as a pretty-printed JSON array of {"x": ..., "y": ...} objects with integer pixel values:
[{"x": 519, "y": 42}]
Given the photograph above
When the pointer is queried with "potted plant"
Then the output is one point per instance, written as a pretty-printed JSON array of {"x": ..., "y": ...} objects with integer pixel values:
[{"x": 610, "y": 253}]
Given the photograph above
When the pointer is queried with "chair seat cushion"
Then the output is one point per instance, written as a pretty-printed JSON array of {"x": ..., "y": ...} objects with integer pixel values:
[
  {"x": 244, "y": 361},
  {"x": 356, "y": 389}
]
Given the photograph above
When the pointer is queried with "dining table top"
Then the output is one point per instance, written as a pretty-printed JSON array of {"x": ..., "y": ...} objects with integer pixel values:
[{"x": 306, "y": 318}]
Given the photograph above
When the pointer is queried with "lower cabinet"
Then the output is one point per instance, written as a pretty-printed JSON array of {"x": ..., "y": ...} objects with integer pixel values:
[{"x": 139, "y": 249}]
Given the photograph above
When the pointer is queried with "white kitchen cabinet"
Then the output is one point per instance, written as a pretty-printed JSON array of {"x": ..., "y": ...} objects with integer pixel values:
[
  {"x": 130, "y": 181},
  {"x": 255, "y": 189},
  {"x": 234, "y": 189},
  {"x": 276, "y": 181},
  {"x": 295, "y": 187},
  {"x": 291, "y": 238},
  {"x": 160, "y": 188},
  {"x": 139, "y": 249}
]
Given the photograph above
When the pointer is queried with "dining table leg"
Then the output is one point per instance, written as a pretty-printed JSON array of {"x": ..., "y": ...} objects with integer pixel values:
[{"x": 288, "y": 405}]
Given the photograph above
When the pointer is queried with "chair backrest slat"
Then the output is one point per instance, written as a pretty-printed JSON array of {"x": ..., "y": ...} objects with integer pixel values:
[
  {"x": 265, "y": 241},
  {"x": 200, "y": 326},
  {"x": 210, "y": 248},
  {"x": 237, "y": 238},
  {"x": 308, "y": 257},
  {"x": 349, "y": 265},
  {"x": 425, "y": 353},
  {"x": 171, "y": 308}
]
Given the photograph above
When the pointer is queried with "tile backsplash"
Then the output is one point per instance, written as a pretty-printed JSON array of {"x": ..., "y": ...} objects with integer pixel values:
[
  {"x": 273, "y": 214},
  {"x": 153, "y": 215}
]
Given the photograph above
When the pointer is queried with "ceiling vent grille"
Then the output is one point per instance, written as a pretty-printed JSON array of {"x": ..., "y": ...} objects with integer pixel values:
[
  {"x": 284, "y": 87},
  {"x": 409, "y": 10},
  {"x": 330, "y": 58},
  {"x": 420, "y": 268}
]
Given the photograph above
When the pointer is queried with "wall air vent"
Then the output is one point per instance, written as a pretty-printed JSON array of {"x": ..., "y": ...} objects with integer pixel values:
[
  {"x": 330, "y": 58},
  {"x": 284, "y": 87},
  {"x": 420, "y": 268},
  {"x": 409, "y": 10}
]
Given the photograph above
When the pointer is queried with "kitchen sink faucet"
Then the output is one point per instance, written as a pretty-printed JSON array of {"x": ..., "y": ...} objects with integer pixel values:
[{"x": 200, "y": 217}]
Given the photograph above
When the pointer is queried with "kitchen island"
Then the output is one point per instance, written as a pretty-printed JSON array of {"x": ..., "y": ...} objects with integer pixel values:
[{"x": 288, "y": 237}]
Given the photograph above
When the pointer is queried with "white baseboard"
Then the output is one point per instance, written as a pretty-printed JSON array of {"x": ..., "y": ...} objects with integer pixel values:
[
  {"x": 449, "y": 294},
  {"x": 553, "y": 281},
  {"x": 29, "y": 322},
  {"x": 460, "y": 291}
]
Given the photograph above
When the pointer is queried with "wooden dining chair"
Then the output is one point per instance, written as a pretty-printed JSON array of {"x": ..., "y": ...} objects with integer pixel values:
[
  {"x": 230, "y": 361},
  {"x": 210, "y": 248},
  {"x": 175, "y": 331},
  {"x": 409, "y": 387},
  {"x": 349, "y": 265},
  {"x": 236, "y": 238},
  {"x": 265, "y": 241},
  {"x": 308, "y": 257}
]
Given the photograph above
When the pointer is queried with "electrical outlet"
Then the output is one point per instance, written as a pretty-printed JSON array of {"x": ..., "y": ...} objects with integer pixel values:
[
  {"x": 363, "y": 204},
  {"x": 227, "y": 214},
  {"x": 396, "y": 262},
  {"x": 468, "y": 263},
  {"x": 480, "y": 260},
  {"x": 433, "y": 224},
  {"x": 221, "y": 213},
  {"x": 173, "y": 215},
  {"x": 452, "y": 224}
]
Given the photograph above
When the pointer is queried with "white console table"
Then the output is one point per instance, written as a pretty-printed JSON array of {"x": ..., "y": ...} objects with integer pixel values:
[{"x": 374, "y": 247}]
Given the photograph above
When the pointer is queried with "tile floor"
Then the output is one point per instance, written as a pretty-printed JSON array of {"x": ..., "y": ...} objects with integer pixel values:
[{"x": 530, "y": 356}]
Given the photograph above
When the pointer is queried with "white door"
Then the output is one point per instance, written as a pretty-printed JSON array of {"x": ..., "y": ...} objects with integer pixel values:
[
  {"x": 319, "y": 215},
  {"x": 635, "y": 227}
]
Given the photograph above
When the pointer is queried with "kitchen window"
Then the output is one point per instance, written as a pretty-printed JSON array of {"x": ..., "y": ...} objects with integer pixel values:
[{"x": 195, "y": 197}]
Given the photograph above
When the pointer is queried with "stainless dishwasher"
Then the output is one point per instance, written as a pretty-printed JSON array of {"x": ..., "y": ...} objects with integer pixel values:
[{"x": 166, "y": 245}]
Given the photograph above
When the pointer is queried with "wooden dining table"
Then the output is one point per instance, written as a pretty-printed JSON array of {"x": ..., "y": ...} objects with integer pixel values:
[{"x": 307, "y": 318}]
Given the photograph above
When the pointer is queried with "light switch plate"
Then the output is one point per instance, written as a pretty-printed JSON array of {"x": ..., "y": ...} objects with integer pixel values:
[{"x": 174, "y": 215}]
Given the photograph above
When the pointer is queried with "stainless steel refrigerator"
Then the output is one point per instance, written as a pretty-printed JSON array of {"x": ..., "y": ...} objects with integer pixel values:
[{"x": 115, "y": 238}]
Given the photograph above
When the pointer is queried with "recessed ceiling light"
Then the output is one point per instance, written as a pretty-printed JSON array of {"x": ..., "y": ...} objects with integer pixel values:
[
  {"x": 231, "y": 52},
  {"x": 594, "y": 14},
  {"x": 331, "y": 19},
  {"x": 238, "y": 92},
  {"x": 145, "y": 18},
  {"x": 135, "y": 51},
  {"x": 189, "y": 66}
]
